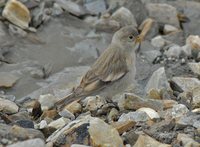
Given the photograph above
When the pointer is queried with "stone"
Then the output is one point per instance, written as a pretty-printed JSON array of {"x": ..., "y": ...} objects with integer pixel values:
[
  {"x": 122, "y": 127},
  {"x": 79, "y": 145},
  {"x": 57, "y": 10},
  {"x": 59, "y": 123},
  {"x": 151, "y": 55},
  {"x": 8, "y": 107},
  {"x": 124, "y": 17},
  {"x": 169, "y": 29},
  {"x": 49, "y": 114},
  {"x": 113, "y": 115},
  {"x": 163, "y": 13},
  {"x": 72, "y": 7},
  {"x": 16, "y": 31},
  {"x": 175, "y": 38},
  {"x": 157, "y": 81},
  {"x": 169, "y": 103},
  {"x": 95, "y": 6},
  {"x": 150, "y": 112},
  {"x": 186, "y": 140},
  {"x": 131, "y": 101},
  {"x": 7, "y": 79},
  {"x": 25, "y": 123},
  {"x": 67, "y": 114},
  {"x": 179, "y": 110},
  {"x": 137, "y": 116},
  {"x": 196, "y": 97},
  {"x": 187, "y": 50},
  {"x": 103, "y": 134},
  {"x": 173, "y": 51},
  {"x": 30, "y": 143},
  {"x": 186, "y": 83},
  {"x": 74, "y": 107},
  {"x": 194, "y": 42},
  {"x": 147, "y": 141},
  {"x": 17, "y": 13},
  {"x": 158, "y": 42},
  {"x": 191, "y": 119},
  {"x": 93, "y": 103},
  {"x": 43, "y": 124},
  {"x": 47, "y": 101},
  {"x": 195, "y": 67}
]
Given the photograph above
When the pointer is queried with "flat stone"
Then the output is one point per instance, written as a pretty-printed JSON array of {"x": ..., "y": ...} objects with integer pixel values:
[
  {"x": 103, "y": 134},
  {"x": 163, "y": 13},
  {"x": 8, "y": 107},
  {"x": 74, "y": 107},
  {"x": 150, "y": 112},
  {"x": 17, "y": 13},
  {"x": 7, "y": 79},
  {"x": 186, "y": 83},
  {"x": 59, "y": 123},
  {"x": 29, "y": 143},
  {"x": 173, "y": 51},
  {"x": 123, "y": 126},
  {"x": 151, "y": 55},
  {"x": 179, "y": 110},
  {"x": 95, "y": 6},
  {"x": 124, "y": 17},
  {"x": 47, "y": 101},
  {"x": 158, "y": 42},
  {"x": 137, "y": 116},
  {"x": 157, "y": 81},
  {"x": 147, "y": 141},
  {"x": 195, "y": 67},
  {"x": 169, "y": 29}
]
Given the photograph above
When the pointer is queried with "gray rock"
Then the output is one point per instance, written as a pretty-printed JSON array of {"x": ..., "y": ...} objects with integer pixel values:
[
  {"x": 138, "y": 116},
  {"x": 163, "y": 13},
  {"x": 57, "y": 10},
  {"x": 29, "y": 143},
  {"x": 190, "y": 119},
  {"x": 95, "y": 6},
  {"x": 173, "y": 51},
  {"x": 25, "y": 123},
  {"x": 187, "y": 50},
  {"x": 67, "y": 114},
  {"x": 179, "y": 110},
  {"x": 8, "y": 79},
  {"x": 124, "y": 17},
  {"x": 186, "y": 83},
  {"x": 8, "y": 107},
  {"x": 169, "y": 29},
  {"x": 176, "y": 38},
  {"x": 72, "y": 7},
  {"x": 158, "y": 42},
  {"x": 151, "y": 55},
  {"x": 157, "y": 81},
  {"x": 16, "y": 31}
]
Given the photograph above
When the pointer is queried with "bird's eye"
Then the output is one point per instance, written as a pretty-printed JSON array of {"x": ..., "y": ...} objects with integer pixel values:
[{"x": 130, "y": 37}]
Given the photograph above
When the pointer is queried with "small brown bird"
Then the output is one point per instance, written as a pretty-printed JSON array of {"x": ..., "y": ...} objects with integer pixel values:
[{"x": 112, "y": 72}]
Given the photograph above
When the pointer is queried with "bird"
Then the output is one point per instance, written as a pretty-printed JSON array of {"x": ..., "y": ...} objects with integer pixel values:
[{"x": 112, "y": 72}]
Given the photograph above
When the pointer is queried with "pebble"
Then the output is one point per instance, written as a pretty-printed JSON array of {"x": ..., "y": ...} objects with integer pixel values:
[
  {"x": 8, "y": 107},
  {"x": 29, "y": 143},
  {"x": 158, "y": 42}
]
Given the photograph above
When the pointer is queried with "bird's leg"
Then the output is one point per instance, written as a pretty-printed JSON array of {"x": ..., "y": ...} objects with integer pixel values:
[{"x": 145, "y": 27}]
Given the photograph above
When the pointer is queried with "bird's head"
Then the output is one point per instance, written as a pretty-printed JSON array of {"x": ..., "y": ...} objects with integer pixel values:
[{"x": 127, "y": 37}]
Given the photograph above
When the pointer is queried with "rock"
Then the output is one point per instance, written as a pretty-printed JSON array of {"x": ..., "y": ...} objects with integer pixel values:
[
  {"x": 187, "y": 50},
  {"x": 93, "y": 103},
  {"x": 179, "y": 110},
  {"x": 186, "y": 83},
  {"x": 67, "y": 114},
  {"x": 95, "y": 6},
  {"x": 175, "y": 38},
  {"x": 25, "y": 123},
  {"x": 191, "y": 119},
  {"x": 113, "y": 115},
  {"x": 137, "y": 116},
  {"x": 16, "y": 31},
  {"x": 7, "y": 79},
  {"x": 147, "y": 141},
  {"x": 195, "y": 67},
  {"x": 169, "y": 29},
  {"x": 158, "y": 42},
  {"x": 150, "y": 112},
  {"x": 154, "y": 30},
  {"x": 124, "y": 17},
  {"x": 105, "y": 24},
  {"x": 169, "y": 103},
  {"x": 43, "y": 124},
  {"x": 74, "y": 107},
  {"x": 17, "y": 13},
  {"x": 151, "y": 55},
  {"x": 196, "y": 97},
  {"x": 103, "y": 134},
  {"x": 186, "y": 141},
  {"x": 47, "y": 101},
  {"x": 163, "y": 13},
  {"x": 194, "y": 42},
  {"x": 173, "y": 51},
  {"x": 130, "y": 101},
  {"x": 8, "y": 107},
  {"x": 30, "y": 143},
  {"x": 72, "y": 7},
  {"x": 130, "y": 137},
  {"x": 57, "y": 10},
  {"x": 59, "y": 123},
  {"x": 79, "y": 145},
  {"x": 122, "y": 127},
  {"x": 49, "y": 114},
  {"x": 157, "y": 81}
]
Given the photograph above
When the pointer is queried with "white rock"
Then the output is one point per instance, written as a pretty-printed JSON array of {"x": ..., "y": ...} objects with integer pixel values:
[
  {"x": 179, "y": 110},
  {"x": 195, "y": 67},
  {"x": 134, "y": 116},
  {"x": 43, "y": 124},
  {"x": 169, "y": 28},
  {"x": 124, "y": 17},
  {"x": 150, "y": 112},
  {"x": 158, "y": 41},
  {"x": 59, "y": 122},
  {"x": 8, "y": 107},
  {"x": 47, "y": 101},
  {"x": 17, "y": 13},
  {"x": 37, "y": 142}
]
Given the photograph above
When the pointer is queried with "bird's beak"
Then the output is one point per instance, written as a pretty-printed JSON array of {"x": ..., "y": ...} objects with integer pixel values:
[{"x": 138, "y": 39}]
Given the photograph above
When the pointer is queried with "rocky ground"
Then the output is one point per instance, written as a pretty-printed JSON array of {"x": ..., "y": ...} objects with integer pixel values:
[{"x": 45, "y": 47}]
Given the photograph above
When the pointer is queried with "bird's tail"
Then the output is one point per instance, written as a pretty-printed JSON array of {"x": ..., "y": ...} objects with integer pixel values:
[{"x": 65, "y": 100}]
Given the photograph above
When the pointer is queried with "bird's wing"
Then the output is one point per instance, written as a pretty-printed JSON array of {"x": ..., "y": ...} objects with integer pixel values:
[{"x": 109, "y": 67}]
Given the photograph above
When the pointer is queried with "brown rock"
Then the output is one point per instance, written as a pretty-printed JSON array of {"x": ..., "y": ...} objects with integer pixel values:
[
  {"x": 122, "y": 127},
  {"x": 169, "y": 103},
  {"x": 17, "y": 13},
  {"x": 49, "y": 114},
  {"x": 74, "y": 107}
]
